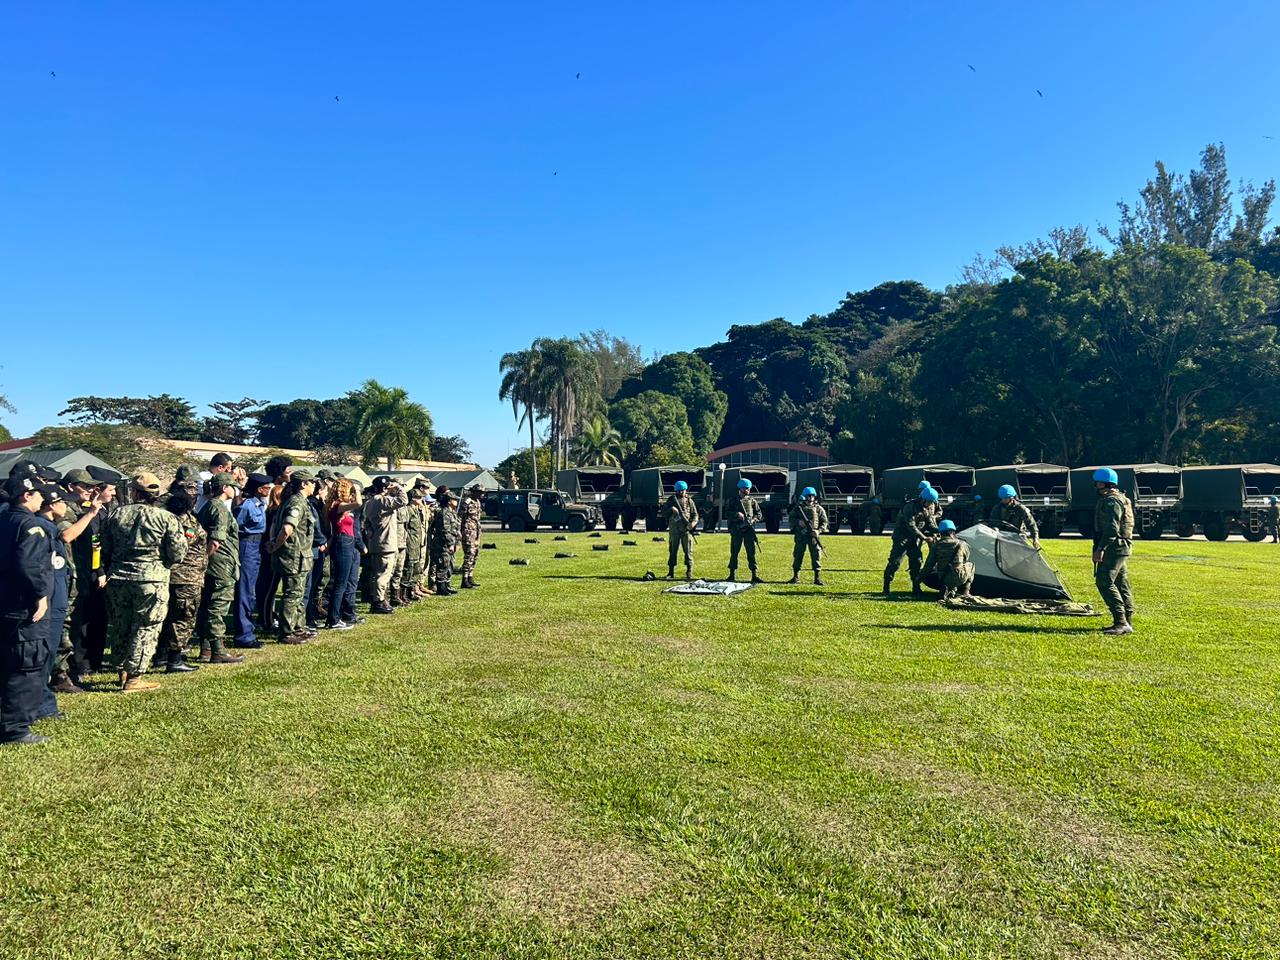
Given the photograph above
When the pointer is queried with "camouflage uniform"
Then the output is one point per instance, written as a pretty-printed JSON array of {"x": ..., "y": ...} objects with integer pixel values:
[
  {"x": 916, "y": 523},
  {"x": 397, "y": 572},
  {"x": 1273, "y": 521},
  {"x": 66, "y": 661},
  {"x": 292, "y": 562},
  {"x": 140, "y": 543},
  {"x": 469, "y": 511},
  {"x": 742, "y": 533},
  {"x": 415, "y": 533},
  {"x": 682, "y": 520},
  {"x": 1015, "y": 517},
  {"x": 186, "y": 583},
  {"x": 446, "y": 531},
  {"x": 221, "y": 573},
  {"x": 1113, "y": 535},
  {"x": 950, "y": 558},
  {"x": 808, "y": 522}
]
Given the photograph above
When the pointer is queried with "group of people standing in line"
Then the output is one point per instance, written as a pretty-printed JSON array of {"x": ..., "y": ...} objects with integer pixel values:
[{"x": 212, "y": 562}]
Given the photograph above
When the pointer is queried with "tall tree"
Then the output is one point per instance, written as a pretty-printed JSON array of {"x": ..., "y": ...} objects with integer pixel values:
[
  {"x": 390, "y": 425},
  {"x": 235, "y": 421},
  {"x": 571, "y": 387},
  {"x": 598, "y": 443},
  {"x": 451, "y": 449},
  {"x": 522, "y": 385},
  {"x": 171, "y": 417},
  {"x": 306, "y": 424},
  {"x": 617, "y": 360},
  {"x": 655, "y": 428},
  {"x": 689, "y": 378}
]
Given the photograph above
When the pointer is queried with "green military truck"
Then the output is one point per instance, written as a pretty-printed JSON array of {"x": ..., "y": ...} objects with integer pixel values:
[
  {"x": 845, "y": 490},
  {"x": 649, "y": 488},
  {"x": 1154, "y": 488},
  {"x": 953, "y": 481},
  {"x": 1221, "y": 499},
  {"x": 771, "y": 486},
  {"x": 604, "y": 486},
  {"x": 521, "y": 510},
  {"x": 1043, "y": 488}
]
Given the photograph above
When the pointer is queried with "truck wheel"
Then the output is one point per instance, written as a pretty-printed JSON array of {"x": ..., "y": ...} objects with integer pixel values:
[
  {"x": 517, "y": 525},
  {"x": 577, "y": 524},
  {"x": 772, "y": 521},
  {"x": 1253, "y": 536},
  {"x": 1153, "y": 529},
  {"x": 1185, "y": 530},
  {"x": 1215, "y": 528}
]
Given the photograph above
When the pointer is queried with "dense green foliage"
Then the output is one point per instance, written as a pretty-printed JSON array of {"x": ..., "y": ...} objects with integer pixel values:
[
  {"x": 390, "y": 426},
  {"x": 569, "y": 763}
]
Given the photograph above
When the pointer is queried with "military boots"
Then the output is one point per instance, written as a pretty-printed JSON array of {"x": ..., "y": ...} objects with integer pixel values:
[
  {"x": 888, "y": 583},
  {"x": 817, "y": 579},
  {"x": 795, "y": 577}
]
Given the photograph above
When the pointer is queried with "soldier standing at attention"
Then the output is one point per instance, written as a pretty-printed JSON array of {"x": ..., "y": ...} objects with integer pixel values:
[
  {"x": 1112, "y": 544},
  {"x": 950, "y": 557},
  {"x": 915, "y": 525},
  {"x": 446, "y": 531},
  {"x": 682, "y": 521},
  {"x": 280, "y": 469},
  {"x": 251, "y": 519},
  {"x": 397, "y": 571},
  {"x": 1012, "y": 515},
  {"x": 26, "y": 581},
  {"x": 743, "y": 516},
  {"x": 1273, "y": 519},
  {"x": 141, "y": 542},
  {"x": 415, "y": 532},
  {"x": 469, "y": 513},
  {"x": 222, "y": 570},
  {"x": 290, "y": 548},
  {"x": 808, "y": 522},
  {"x": 186, "y": 582}
]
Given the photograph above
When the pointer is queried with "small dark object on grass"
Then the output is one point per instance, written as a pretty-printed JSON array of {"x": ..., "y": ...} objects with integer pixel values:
[
  {"x": 560, "y": 537},
  {"x": 659, "y": 539},
  {"x": 649, "y": 576},
  {"x": 488, "y": 546},
  {"x": 518, "y": 562},
  {"x": 599, "y": 546},
  {"x": 630, "y": 543},
  {"x": 597, "y": 534},
  {"x": 530, "y": 539},
  {"x": 565, "y": 556}
]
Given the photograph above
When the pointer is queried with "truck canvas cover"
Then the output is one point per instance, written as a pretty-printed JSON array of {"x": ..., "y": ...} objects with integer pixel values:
[
  {"x": 1006, "y": 566},
  {"x": 1038, "y": 484},
  {"x": 1230, "y": 486},
  {"x": 951, "y": 480},
  {"x": 848, "y": 482},
  {"x": 1146, "y": 484}
]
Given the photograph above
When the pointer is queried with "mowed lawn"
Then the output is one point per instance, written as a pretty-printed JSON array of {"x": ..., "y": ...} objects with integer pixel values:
[{"x": 569, "y": 763}]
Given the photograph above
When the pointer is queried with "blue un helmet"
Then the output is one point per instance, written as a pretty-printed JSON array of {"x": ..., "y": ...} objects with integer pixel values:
[
  {"x": 808, "y": 492},
  {"x": 1275, "y": 499},
  {"x": 1006, "y": 491},
  {"x": 946, "y": 526},
  {"x": 924, "y": 485},
  {"x": 929, "y": 495},
  {"x": 1105, "y": 475},
  {"x": 681, "y": 486},
  {"x": 744, "y": 484},
  {"x": 977, "y": 497}
]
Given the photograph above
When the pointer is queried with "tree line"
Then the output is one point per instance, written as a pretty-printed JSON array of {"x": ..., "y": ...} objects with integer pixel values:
[{"x": 1158, "y": 341}]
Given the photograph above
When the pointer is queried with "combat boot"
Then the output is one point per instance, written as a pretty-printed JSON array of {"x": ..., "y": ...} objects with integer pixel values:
[
  {"x": 795, "y": 577},
  {"x": 755, "y": 577},
  {"x": 394, "y": 598},
  {"x": 916, "y": 589},
  {"x": 671, "y": 573},
  {"x": 135, "y": 684},
  {"x": 733, "y": 577},
  {"x": 1118, "y": 629},
  {"x": 380, "y": 606},
  {"x": 466, "y": 583},
  {"x": 817, "y": 579},
  {"x": 888, "y": 583},
  {"x": 64, "y": 683},
  {"x": 205, "y": 654},
  {"x": 688, "y": 573},
  {"x": 445, "y": 589},
  {"x": 178, "y": 664}
]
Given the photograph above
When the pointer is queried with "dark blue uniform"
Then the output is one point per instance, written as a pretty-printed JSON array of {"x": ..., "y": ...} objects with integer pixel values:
[
  {"x": 57, "y": 615},
  {"x": 252, "y": 518},
  {"x": 26, "y": 575}
]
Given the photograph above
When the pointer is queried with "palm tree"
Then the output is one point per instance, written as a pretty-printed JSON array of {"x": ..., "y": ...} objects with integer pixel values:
[
  {"x": 570, "y": 381},
  {"x": 390, "y": 425},
  {"x": 598, "y": 444},
  {"x": 522, "y": 385}
]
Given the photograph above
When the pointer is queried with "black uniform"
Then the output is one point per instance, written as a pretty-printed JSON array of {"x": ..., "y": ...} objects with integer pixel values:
[{"x": 26, "y": 575}]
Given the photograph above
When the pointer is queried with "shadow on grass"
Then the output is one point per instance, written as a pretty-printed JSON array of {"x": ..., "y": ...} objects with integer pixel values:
[
  {"x": 815, "y": 592},
  {"x": 603, "y": 576},
  {"x": 981, "y": 628}
]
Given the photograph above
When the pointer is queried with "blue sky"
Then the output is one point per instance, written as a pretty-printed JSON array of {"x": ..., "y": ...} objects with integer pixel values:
[{"x": 187, "y": 193}]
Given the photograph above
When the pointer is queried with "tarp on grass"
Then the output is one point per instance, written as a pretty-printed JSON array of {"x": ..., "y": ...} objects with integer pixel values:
[
  {"x": 710, "y": 588},
  {"x": 1055, "y": 608},
  {"x": 1007, "y": 567}
]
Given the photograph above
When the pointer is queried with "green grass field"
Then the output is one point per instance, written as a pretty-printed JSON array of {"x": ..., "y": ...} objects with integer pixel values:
[{"x": 568, "y": 763}]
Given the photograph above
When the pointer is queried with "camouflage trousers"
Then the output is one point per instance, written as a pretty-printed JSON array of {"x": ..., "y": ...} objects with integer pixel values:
[
  {"x": 67, "y": 659},
  {"x": 908, "y": 547},
  {"x": 397, "y": 572},
  {"x": 441, "y": 566},
  {"x": 216, "y": 597},
  {"x": 137, "y": 614},
  {"x": 739, "y": 538},
  {"x": 180, "y": 622},
  {"x": 677, "y": 542},
  {"x": 797, "y": 554},
  {"x": 293, "y": 590},
  {"x": 956, "y": 582},
  {"x": 412, "y": 576},
  {"x": 1112, "y": 580},
  {"x": 470, "y": 553}
]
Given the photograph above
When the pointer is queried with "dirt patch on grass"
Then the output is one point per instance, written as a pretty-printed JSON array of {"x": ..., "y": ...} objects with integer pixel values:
[{"x": 551, "y": 871}]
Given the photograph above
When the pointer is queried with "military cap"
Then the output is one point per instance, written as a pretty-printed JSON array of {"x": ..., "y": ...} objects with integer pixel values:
[
  {"x": 476, "y": 488},
  {"x": 415, "y": 493},
  {"x": 186, "y": 474},
  {"x": 257, "y": 480},
  {"x": 444, "y": 493},
  {"x": 20, "y": 484},
  {"x": 78, "y": 475},
  {"x": 220, "y": 480},
  {"x": 303, "y": 475},
  {"x": 147, "y": 481},
  {"x": 103, "y": 475},
  {"x": 381, "y": 483},
  {"x": 321, "y": 474},
  {"x": 54, "y": 493},
  {"x": 29, "y": 468}
]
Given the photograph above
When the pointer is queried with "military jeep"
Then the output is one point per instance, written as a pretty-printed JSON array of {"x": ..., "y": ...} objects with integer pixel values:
[{"x": 520, "y": 510}]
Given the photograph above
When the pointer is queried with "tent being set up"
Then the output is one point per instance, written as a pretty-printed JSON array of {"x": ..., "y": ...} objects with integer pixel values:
[{"x": 1006, "y": 566}]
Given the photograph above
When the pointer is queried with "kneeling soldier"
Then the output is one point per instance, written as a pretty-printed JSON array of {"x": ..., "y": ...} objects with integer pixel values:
[{"x": 949, "y": 556}]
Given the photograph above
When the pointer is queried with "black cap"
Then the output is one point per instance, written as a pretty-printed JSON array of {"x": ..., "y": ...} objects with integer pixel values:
[
  {"x": 53, "y": 493},
  {"x": 29, "y": 468},
  {"x": 257, "y": 480},
  {"x": 20, "y": 484},
  {"x": 103, "y": 475}
]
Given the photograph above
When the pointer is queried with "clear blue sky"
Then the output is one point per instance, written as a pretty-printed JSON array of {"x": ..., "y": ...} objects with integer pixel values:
[{"x": 187, "y": 192}]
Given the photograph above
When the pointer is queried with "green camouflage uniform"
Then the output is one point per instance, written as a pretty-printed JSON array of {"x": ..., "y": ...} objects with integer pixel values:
[
  {"x": 140, "y": 543},
  {"x": 742, "y": 532},
  {"x": 323, "y": 576},
  {"x": 682, "y": 520},
  {"x": 65, "y": 658},
  {"x": 1015, "y": 517},
  {"x": 402, "y": 531},
  {"x": 292, "y": 562},
  {"x": 220, "y": 576},
  {"x": 446, "y": 531},
  {"x": 415, "y": 534},
  {"x": 950, "y": 558},
  {"x": 808, "y": 523},
  {"x": 469, "y": 511},
  {"x": 1273, "y": 521},
  {"x": 1113, "y": 535},
  {"x": 186, "y": 583},
  {"x": 916, "y": 523}
]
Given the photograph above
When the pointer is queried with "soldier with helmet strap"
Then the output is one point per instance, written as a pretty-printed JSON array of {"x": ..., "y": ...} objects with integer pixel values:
[
  {"x": 682, "y": 523},
  {"x": 808, "y": 523},
  {"x": 743, "y": 516},
  {"x": 1112, "y": 544}
]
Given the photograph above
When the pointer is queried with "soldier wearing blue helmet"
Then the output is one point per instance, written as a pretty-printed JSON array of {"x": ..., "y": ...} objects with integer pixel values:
[
  {"x": 743, "y": 516},
  {"x": 1013, "y": 516},
  {"x": 808, "y": 523},
  {"x": 917, "y": 524},
  {"x": 950, "y": 558},
  {"x": 1112, "y": 544},
  {"x": 682, "y": 524},
  {"x": 1273, "y": 519}
]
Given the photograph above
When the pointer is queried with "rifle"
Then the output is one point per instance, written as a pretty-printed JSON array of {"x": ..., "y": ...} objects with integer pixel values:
[
  {"x": 692, "y": 530},
  {"x": 817, "y": 539}
]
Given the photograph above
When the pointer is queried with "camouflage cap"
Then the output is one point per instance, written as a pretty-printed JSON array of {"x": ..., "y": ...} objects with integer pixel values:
[
  {"x": 321, "y": 474},
  {"x": 187, "y": 474},
  {"x": 220, "y": 481},
  {"x": 147, "y": 481},
  {"x": 416, "y": 493},
  {"x": 78, "y": 475},
  {"x": 304, "y": 475},
  {"x": 444, "y": 493}
]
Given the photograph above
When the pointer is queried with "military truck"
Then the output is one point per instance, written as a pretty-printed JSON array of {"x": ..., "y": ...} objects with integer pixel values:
[
  {"x": 1154, "y": 488},
  {"x": 953, "y": 481},
  {"x": 604, "y": 486},
  {"x": 845, "y": 490},
  {"x": 521, "y": 510},
  {"x": 771, "y": 486},
  {"x": 1221, "y": 499},
  {"x": 649, "y": 488},
  {"x": 1043, "y": 488}
]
